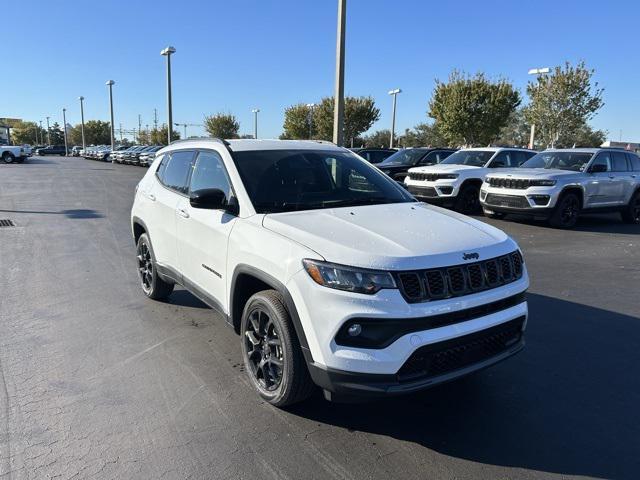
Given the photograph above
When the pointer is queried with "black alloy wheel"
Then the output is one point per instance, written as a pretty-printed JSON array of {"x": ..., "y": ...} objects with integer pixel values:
[
  {"x": 631, "y": 214},
  {"x": 145, "y": 267},
  {"x": 264, "y": 349},
  {"x": 468, "y": 201},
  {"x": 566, "y": 212}
]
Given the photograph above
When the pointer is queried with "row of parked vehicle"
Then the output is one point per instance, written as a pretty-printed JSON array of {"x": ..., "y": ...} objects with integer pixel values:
[{"x": 141, "y": 155}]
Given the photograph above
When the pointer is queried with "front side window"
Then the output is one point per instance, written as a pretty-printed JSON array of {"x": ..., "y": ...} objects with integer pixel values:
[
  {"x": 289, "y": 180},
  {"x": 603, "y": 159},
  {"x": 408, "y": 157},
  {"x": 473, "y": 158},
  {"x": 575, "y": 161},
  {"x": 176, "y": 173},
  {"x": 209, "y": 172},
  {"x": 501, "y": 160}
]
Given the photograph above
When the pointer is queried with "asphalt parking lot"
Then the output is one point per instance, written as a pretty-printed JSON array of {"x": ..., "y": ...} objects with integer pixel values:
[{"x": 96, "y": 381}]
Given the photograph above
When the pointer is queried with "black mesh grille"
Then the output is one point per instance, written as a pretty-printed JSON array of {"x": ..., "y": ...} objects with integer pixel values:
[
  {"x": 460, "y": 280},
  {"x": 452, "y": 355},
  {"x": 423, "y": 191},
  {"x": 510, "y": 201},
  {"x": 515, "y": 183},
  {"x": 429, "y": 177}
]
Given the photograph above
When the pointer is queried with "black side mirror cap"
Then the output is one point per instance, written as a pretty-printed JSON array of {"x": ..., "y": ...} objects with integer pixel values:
[{"x": 213, "y": 199}]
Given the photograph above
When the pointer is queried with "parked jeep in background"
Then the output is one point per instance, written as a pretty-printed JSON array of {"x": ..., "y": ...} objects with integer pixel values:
[
  {"x": 558, "y": 185},
  {"x": 397, "y": 165},
  {"x": 51, "y": 150},
  {"x": 11, "y": 153},
  {"x": 455, "y": 182}
]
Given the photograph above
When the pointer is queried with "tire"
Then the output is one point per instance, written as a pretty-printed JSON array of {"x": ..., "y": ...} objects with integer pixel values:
[
  {"x": 8, "y": 157},
  {"x": 468, "y": 201},
  {"x": 565, "y": 215},
  {"x": 152, "y": 285},
  {"x": 631, "y": 213},
  {"x": 271, "y": 351}
]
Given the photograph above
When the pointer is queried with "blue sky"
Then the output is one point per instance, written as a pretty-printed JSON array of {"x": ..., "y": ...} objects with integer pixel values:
[{"x": 235, "y": 55}]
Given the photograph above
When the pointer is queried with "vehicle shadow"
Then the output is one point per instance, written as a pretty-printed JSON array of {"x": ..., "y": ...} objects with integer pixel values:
[
  {"x": 38, "y": 161},
  {"x": 82, "y": 213},
  {"x": 568, "y": 404},
  {"x": 184, "y": 298},
  {"x": 596, "y": 223}
]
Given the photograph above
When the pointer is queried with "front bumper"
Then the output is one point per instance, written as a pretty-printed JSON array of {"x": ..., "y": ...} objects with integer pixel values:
[{"x": 535, "y": 201}]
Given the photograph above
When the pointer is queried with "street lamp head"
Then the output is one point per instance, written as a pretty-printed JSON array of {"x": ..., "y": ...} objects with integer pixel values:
[
  {"x": 395, "y": 92},
  {"x": 110, "y": 82},
  {"x": 64, "y": 109},
  {"x": 255, "y": 110},
  {"x": 311, "y": 105},
  {"x": 81, "y": 98},
  {"x": 539, "y": 71},
  {"x": 168, "y": 51}
]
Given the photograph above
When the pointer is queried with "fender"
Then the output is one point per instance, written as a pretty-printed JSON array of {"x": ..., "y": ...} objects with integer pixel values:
[{"x": 282, "y": 289}]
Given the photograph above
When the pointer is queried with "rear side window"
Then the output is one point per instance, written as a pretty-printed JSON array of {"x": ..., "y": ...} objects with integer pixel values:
[
  {"x": 175, "y": 175},
  {"x": 620, "y": 162},
  {"x": 634, "y": 161}
]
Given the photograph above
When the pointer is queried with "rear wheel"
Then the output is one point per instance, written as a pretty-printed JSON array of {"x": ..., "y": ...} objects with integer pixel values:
[
  {"x": 631, "y": 213},
  {"x": 8, "y": 157},
  {"x": 152, "y": 285},
  {"x": 468, "y": 200},
  {"x": 565, "y": 215},
  {"x": 272, "y": 354}
]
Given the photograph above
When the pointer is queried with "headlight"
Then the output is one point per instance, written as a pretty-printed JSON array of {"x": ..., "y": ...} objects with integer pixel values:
[
  {"x": 346, "y": 278},
  {"x": 542, "y": 183},
  {"x": 447, "y": 176}
]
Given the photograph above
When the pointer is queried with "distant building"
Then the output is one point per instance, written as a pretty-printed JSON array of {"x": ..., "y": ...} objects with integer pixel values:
[{"x": 631, "y": 146}]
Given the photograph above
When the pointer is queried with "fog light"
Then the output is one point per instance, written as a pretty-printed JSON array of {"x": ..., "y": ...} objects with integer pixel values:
[
  {"x": 354, "y": 330},
  {"x": 540, "y": 199},
  {"x": 446, "y": 190}
]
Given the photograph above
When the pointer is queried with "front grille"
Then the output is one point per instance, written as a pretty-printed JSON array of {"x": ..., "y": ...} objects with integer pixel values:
[
  {"x": 458, "y": 280},
  {"x": 515, "y": 183},
  {"x": 446, "y": 357},
  {"x": 429, "y": 177},
  {"x": 510, "y": 201},
  {"x": 423, "y": 191}
]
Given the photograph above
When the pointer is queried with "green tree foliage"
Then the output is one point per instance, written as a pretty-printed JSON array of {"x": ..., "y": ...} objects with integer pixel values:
[
  {"x": 516, "y": 132},
  {"x": 584, "y": 136},
  {"x": 471, "y": 110},
  {"x": 298, "y": 123},
  {"x": 423, "y": 135},
  {"x": 26, "y": 132},
  {"x": 96, "y": 132},
  {"x": 360, "y": 113},
  {"x": 222, "y": 125},
  {"x": 56, "y": 134},
  {"x": 562, "y": 102},
  {"x": 377, "y": 139},
  {"x": 158, "y": 136}
]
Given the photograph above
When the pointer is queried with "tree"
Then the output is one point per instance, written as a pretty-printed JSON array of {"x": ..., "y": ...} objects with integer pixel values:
[
  {"x": 56, "y": 134},
  {"x": 379, "y": 138},
  {"x": 96, "y": 132},
  {"x": 562, "y": 103},
  {"x": 360, "y": 113},
  {"x": 26, "y": 133},
  {"x": 222, "y": 125},
  {"x": 158, "y": 136},
  {"x": 423, "y": 135},
  {"x": 516, "y": 132},
  {"x": 298, "y": 122},
  {"x": 471, "y": 110},
  {"x": 584, "y": 137}
]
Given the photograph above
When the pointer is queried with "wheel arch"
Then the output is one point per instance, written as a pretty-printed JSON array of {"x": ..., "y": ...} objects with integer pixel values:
[
  {"x": 248, "y": 280},
  {"x": 576, "y": 189},
  {"x": 476, "y": 182},
  {"x": 138, "y": 227}
]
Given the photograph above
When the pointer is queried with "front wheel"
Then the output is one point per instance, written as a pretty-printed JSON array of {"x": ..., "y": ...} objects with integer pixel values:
[
  {"x": 272, "y": 354},
  {"x": 631, "y": 213},
  {"x": 152, "y": 285},
  {"x": 8, "y": 157},
  {"x": 565, "y": 215},
  {"x": 468, "y": 201}
]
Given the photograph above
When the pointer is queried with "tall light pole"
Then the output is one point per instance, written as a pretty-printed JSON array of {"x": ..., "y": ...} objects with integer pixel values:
[
  {"x": 48, "y": 133},
  {"x": 394, "y": 94},
  {"x": 36, "y": 127},
  {"x": 167, "y": 52},
  {"x": 311, "y": 106},
  {"x": 84, "y": 146},
  {"x": 255, "y": 112},
  {"x": 110, "y": 84},
  {"x": 64, "y": 122},
  {"x": 338, "y": 110},
  {"x": 41, "y": 139},
  {"x": 538, "y": 72}
]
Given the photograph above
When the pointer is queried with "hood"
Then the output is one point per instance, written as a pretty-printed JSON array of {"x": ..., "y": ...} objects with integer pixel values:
[
  {"x": 527, "y": 173},
  {"x": 443, "y": 168},
  {"x": 401, "y": 236}
]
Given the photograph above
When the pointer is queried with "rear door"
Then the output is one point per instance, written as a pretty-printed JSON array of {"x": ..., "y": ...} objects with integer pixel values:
[{"x": 621, "y": 179}]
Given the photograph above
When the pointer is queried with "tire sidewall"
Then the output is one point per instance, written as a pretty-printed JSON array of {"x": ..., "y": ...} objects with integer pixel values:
[
  {"x": 557, "y": 214},
  {"x": 144, "y": 238},
  {"x": 8, "y": 157},
  {"x": 260, "y": 300},
  {"x": 629, "y": 215},
  {"x": 462, "y": 206}
]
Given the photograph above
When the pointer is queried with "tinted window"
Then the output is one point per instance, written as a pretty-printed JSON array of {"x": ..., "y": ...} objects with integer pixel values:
[
  {"x": 619, "y": 162},
  {"x": 563, "y": 160},
  {"x": 520, "y": 158},
  {"x": 501, "y": 160},
  {"x": 407, "y": 156},
  {"x": 433, "y": 158},
  {"x": 210, "y": 173},
  {"x": 376, "y": 156},
  {"x": 475, "y": 158},
  {"x": 161, "y": 166},
  {"x": 634, "y": 161},
  {"x": 603, "y": 159},
  {"x": 176, "y": 173}
]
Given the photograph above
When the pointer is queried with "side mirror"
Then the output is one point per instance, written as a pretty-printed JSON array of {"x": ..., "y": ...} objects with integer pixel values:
[
  {"x": 213, "y": 199},
  {"x": 598, "y": 168}
]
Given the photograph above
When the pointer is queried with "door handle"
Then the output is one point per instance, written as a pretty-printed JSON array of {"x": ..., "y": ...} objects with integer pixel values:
[{"x": 182, "y": 212}]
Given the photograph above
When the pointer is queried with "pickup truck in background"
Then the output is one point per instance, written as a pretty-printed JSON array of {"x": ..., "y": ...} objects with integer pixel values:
[{"x": 13, "y": 153}]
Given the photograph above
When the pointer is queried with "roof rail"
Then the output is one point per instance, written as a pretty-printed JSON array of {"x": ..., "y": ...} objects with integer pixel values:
[{"x": 200, "y": 139}]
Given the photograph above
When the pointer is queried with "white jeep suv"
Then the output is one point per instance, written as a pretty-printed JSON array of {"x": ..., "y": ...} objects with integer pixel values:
[
  {"x": 455, "y": 182},
  {"x": 329, "y": 270}
]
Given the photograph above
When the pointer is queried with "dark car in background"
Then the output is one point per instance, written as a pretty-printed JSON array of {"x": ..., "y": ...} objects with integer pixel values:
[
  {"x": 397, "y": 165},
  {"x": 374, "y": 155},
  {"x": 51, "y": 150}
]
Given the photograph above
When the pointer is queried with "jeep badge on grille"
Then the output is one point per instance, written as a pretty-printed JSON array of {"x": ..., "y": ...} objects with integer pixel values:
[{"x": 470, "y": 256}]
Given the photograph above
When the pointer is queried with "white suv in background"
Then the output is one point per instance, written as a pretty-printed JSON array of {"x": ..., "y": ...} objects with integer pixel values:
[
  {"x": 455, "y": 182},
  {"x": 329, "y": 270}
]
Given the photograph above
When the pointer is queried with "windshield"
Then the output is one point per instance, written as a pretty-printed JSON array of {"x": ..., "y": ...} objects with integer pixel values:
[
  {"x": 473, "y": 158},
  {"x": 575, "y": 161},
  {"x": 289, "y": 180},
  {"x": 404, "y": 157}
]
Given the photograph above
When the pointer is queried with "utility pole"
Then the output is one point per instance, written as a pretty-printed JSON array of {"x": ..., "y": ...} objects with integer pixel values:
[
  {"x": 64, "y": 121},
  {"x": 167, "y": 52},
  {"x": 155, "y": 119},
  {"x": 394, "y": 94},
  {"x": 41, "y": 138},
  {"x": 48, "y": 132},
  {"x": 139, "y": 128},
  {"x": 338, "y": 109},
  {"x": 36, "y": 142},
  {"x": 110, "y": 83},
  {"x": 310, "y": 106},
  {"x": 255, "y": 112},
  {"x": 84, "y": 145},
  {"x": 536, "y": 71}
]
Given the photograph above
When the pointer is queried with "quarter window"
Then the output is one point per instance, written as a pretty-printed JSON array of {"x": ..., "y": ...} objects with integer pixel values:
[
  {"x": 209, "y": 173},
  {"x": 176, "y": 174},
  {"x": 619, "y": 162},
  {"x": 634, "y": 161}
]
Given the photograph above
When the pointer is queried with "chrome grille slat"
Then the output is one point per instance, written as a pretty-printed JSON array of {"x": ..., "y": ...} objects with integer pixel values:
[{"x": 459, "y": 280}]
